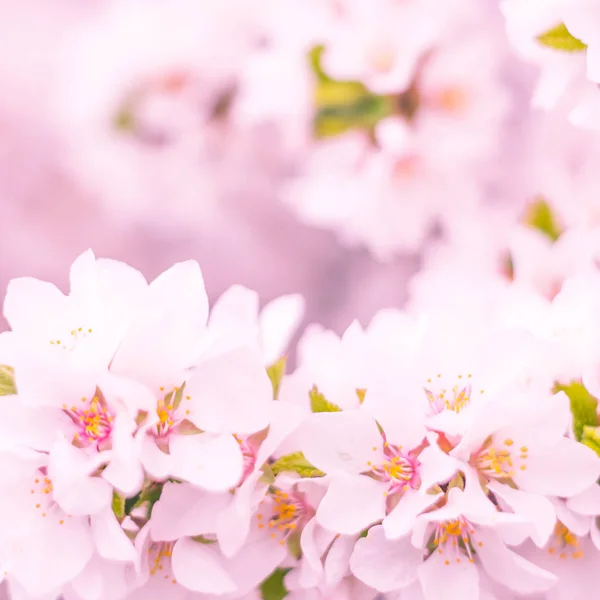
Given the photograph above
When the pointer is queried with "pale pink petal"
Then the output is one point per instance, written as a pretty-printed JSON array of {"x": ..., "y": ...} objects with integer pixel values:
[
  {"x": 198, "y": 567},
  {"x": 337, "y": 561},
  {"x": 36, "y": 309},
  {"x": 383, "y": 564},
  {"x": 311, "y": 568},
  {"x": 184, "y": 510},
  {"x": 231, "y": 393},
  {"x": 396, "y": 408},
  {"x": 436, "y": 466},
  {"x": 401, "y": 520},
  {"x": 53, "y": 554},
  {"x": 441, "y": 581},
  {"x": 586, "y": 502},
  {"x": 352, "y": 503},
  {"x": 257, "y": 559},
  {"x": 278, "y": 321},
  {"x": 157, "y": 463},
  {"x": 180, "y": 289},
  {"x": 510, "y": 569},
  {"x": 285, "y": 419},
  {"x": 124, "y": 472},
  {"x": 568, "y": 469},
  {"x": 74, "y": 489},
  {"x": 537, "y": 509},
  {"x": 340, "y": 441},
  {"x": 233, "y": 523},
  {"x": 88, "y": 584},
  {"x": 111, "y": 541},
  {"x": 233, "y": 320},
  {"x": 212, "y": 462}
]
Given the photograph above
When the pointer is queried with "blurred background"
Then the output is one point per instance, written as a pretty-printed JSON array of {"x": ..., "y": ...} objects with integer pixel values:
[{"x": 326, "y": 147}]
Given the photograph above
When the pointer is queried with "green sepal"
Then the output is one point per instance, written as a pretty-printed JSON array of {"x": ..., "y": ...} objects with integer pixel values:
[
  {"x": 276, "y": 372},
  {"x": 203, "y": 540},
  {"x": 583, "y": 406},
  {"x": 118, "y": 506},
  {"x": 296, "y": 463},
  {"x": 539, "y": 216},
  {"x": 591, "y": 438},
  {"x": 560, "y": 38},
  {"x": 318, "y": 402},
  {"x": 273, "y": 587},
  {"x": 7, "y": 381}
]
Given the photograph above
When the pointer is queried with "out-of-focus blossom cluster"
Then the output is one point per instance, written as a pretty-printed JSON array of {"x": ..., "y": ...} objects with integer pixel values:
[
  {"x": 562, "y": 37},
  {"x": 151, "y": 447}
]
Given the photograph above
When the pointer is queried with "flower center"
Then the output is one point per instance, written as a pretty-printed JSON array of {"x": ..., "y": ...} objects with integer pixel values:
[
  {"x": 564, "y": 543},
  {"x": 499, "y": 461},
  {"x": 455, "y": 398},
  {"x": 248, "y": 454},
  {"x": 71, "y": 341},
  {"x": 455, "y": 538},
  {"x": 93, "y": 421},
  {"x": 159, "y": 560},
  {"x": 450, "y": 99},
  {"x": 285, "y": 513},
  {"x": 381, "y": 58},
  {"x": 41, "y": 493},
  {"x": 169, "y": 411},
  {"x": 398, "y": 468}
]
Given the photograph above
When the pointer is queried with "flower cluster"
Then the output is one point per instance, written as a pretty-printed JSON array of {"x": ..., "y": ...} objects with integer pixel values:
[
  {"x": 563, "y": 38},
  {"x": 151, "y": 448}
]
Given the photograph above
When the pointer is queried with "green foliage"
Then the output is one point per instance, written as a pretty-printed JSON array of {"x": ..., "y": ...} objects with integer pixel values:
[
  {"x": 295, "y": 462},
  {"x": 118, "y": 506},
  {"x": 7, "y": 381},
  {"x": 540, "y": 216},
  {"x": 591, "y": 438},
  {"x": 583, "y": 407},
  {"x": 276, "y": 372},
  {"x": 559, "y": 38},
  {"x": 318, "y": 402},
  {"x": 273, "y": 588},
  {"x": 344, "y": 105},
  {"x": 149, "y": 496}
]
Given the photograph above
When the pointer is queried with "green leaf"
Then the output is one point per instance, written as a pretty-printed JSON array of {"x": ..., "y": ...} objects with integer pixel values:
[
  {"x": 318, "y": 402},
  {"x": 276, "y": 372},
  {"x": 357, "y": 112},
  {"x": 340, "y": 93},
  {"x": 149, "y": 496},
  {"x": 7, "y": 381},
  {"x": 273, "y": 588},
  {"x": 583, "y": 406},
  {"x": 131, "y": 503},
  {"x": 118, "y": 506},
  {"x": 344, "y": 105},
  {"x": 559, "y": 38},
  {"x": 268, "y": 476},
  {"x": 295, "y": 462},
  {"x": 591, "y": 438},
  {"x": 539, "y": 216}
]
